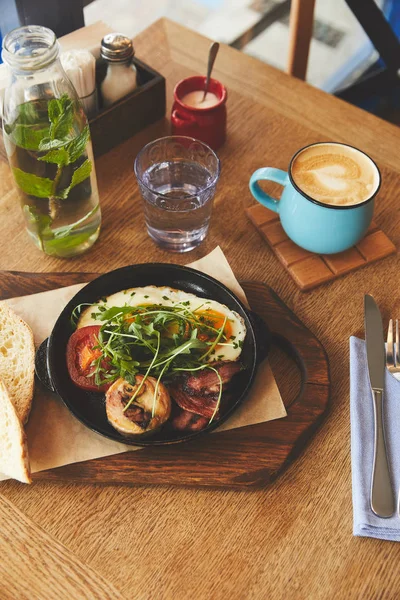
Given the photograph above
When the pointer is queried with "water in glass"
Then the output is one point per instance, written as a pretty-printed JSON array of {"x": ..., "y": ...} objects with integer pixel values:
[{"x": 178, "y": 196}]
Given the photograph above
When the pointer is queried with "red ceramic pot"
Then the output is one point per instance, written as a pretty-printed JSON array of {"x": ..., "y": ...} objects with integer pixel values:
[{"x": 205, "y": 124}]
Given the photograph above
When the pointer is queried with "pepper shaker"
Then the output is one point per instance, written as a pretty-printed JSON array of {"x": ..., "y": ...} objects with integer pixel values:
[{"x": 121, "y": 77}]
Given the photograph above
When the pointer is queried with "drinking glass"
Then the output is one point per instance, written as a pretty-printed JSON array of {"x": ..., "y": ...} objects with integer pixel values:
[{"x": 177, "y": 178}]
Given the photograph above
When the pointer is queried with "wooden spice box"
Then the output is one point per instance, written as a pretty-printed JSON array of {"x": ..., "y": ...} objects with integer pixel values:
[{"x": 132, "y": 113}]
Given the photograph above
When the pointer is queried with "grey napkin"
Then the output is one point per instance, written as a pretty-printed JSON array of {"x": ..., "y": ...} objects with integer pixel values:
[{"x": 365, "y": 523}]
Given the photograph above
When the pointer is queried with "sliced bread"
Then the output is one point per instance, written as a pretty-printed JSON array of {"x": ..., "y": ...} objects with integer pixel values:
[
  {"x": 14, "y": 460},
  {"x": 17, "y": 360}
]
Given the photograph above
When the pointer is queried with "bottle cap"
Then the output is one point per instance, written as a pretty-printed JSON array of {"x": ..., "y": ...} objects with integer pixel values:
[{"x": 116, "y": 47}]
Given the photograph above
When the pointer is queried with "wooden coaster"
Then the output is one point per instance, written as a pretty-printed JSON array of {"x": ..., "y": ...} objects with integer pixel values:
[{"x": 310, "y": 270}]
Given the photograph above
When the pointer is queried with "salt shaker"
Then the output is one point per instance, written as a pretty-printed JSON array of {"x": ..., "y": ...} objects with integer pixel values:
[{"x": 120, "y": 80}]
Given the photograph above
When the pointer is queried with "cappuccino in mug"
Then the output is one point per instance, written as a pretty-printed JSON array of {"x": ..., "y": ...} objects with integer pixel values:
[
  {"x": 328, "y": 196},
  {"x": 335, "y": 174}
]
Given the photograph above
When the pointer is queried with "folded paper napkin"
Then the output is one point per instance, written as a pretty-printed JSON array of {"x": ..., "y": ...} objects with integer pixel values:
[
  {"x": 56, "y": 438},
  {"x": 365, "y": 523}
]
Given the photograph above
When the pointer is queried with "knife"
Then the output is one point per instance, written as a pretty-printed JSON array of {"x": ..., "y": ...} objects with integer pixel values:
[{"x": 382, "y": 498}]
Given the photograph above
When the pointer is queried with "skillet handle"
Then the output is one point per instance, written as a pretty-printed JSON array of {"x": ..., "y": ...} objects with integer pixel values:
[{"x": 41, "y": 369}]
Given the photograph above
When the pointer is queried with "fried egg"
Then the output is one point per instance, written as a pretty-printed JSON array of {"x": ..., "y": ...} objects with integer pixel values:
[{"x": 211, "y": 315}]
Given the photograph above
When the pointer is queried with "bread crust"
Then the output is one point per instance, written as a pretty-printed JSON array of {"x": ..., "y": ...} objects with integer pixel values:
[{"x": 14, "y": 457}]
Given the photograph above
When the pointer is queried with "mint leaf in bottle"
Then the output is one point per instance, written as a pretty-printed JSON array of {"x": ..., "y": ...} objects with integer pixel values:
[
  {"x": 79, "y": 175},
  {"x": 31, "y": 184},
  {"x": 78, "y": 145},
  {"x": 58, "y": 156}
]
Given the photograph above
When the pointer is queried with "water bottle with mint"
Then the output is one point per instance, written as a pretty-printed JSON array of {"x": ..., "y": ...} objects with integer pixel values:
[{"x": 47, "y": 140}]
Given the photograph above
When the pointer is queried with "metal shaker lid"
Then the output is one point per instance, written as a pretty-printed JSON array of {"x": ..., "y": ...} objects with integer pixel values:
[{"x": 116, "y": 47}]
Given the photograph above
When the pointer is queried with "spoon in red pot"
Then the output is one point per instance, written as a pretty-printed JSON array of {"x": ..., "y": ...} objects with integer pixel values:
[{"x": 212, "y": 55}]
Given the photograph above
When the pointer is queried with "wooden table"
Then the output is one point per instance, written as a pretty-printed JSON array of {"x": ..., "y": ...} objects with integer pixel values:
[{"x": 294, "y": 538}]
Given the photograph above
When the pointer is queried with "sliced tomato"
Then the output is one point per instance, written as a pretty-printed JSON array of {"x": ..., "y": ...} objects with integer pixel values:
[{"x": 81, "y": 352}]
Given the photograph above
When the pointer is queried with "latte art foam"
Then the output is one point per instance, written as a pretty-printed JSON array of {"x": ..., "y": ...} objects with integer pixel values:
[{"x": 335, "y": 174}]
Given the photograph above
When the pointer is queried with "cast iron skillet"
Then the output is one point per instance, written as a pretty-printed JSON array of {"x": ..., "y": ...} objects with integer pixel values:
[{"x": 89, "y": 407}]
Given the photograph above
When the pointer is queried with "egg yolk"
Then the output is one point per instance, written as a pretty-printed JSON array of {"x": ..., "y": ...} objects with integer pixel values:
[
  {"x": 129, "y": 318},
  {"x": 216, "y": 320},
  {"x": 174, "y": 328}
]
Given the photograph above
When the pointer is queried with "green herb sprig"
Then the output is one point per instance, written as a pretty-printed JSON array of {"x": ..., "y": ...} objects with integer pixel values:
[
  {"x": 55, "y": 143},
  {"x": 62, "y": 146}
]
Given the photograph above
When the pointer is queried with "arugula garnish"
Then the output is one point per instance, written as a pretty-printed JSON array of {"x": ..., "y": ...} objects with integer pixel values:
[{"x": 157, "y": 341}]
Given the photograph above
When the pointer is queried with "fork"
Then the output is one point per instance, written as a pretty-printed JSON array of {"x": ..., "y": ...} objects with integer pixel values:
[
  {"x": 393, "y": 351},
  {"x": 393, "y": 365}
]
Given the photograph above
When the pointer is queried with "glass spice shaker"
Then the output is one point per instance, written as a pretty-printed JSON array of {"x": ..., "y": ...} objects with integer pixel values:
[
  {"x": 121, "y": 77},
  {"x": 47, "y": 140}
]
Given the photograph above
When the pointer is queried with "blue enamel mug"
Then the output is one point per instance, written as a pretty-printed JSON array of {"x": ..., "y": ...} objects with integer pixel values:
[{"x": 314, "y": 225}]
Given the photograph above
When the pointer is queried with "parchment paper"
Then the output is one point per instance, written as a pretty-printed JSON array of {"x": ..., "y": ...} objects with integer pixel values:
[{"x": 56, "y": 438}]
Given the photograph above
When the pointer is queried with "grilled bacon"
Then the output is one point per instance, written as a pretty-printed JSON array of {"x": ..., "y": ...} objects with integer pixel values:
[
  {"x": 200, "y": 405},
  {"x": 198, "y": 393},
  {"x": 206, "y": 382},
  {"x": 188, "y": 421}
]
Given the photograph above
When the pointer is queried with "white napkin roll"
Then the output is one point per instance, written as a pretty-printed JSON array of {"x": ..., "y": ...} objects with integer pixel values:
[{"x": 80, "y": 66}]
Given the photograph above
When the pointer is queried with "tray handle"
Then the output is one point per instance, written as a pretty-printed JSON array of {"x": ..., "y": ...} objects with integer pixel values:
[{"x": 298, "y": 342}]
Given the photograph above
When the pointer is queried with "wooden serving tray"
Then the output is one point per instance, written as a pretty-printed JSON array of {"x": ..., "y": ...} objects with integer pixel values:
[{"x": 248, "y": 457}]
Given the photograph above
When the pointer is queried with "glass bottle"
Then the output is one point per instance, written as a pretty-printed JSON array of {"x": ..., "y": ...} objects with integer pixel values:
[{"x": 47, "y": 140}]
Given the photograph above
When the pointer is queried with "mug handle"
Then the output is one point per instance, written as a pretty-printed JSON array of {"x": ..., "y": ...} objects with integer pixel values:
[
  {"x": 267, "y": 174},
  {"x": 180, "y": 119}
]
